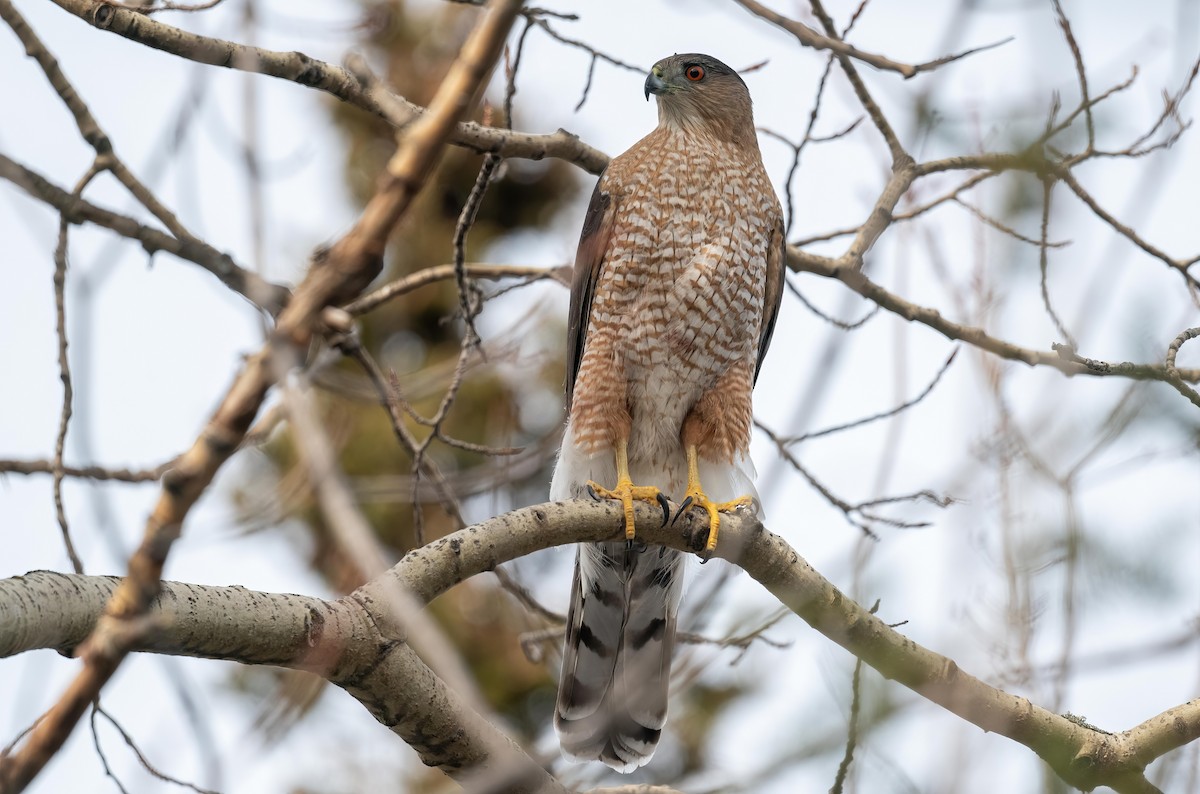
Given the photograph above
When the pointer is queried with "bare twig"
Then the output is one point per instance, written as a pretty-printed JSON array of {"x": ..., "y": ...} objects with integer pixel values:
[
  {"x": 525, "y": 598},
  {"x": 8, "y": 466},
  {"x": 790, "y": 440},
  {"x": 468, "y": 302},
  {"x": 856, "y": 514},
  {"x": 430, "y": 275},
  {"x": 1173, "y": 375},
  {"x": 951, "y": 196},
  {"x": 743, "y": 641},
  {"x": 839, "y": 780},
  {"x": 851, "y": 325},
  {"x": 1044, "y": 264},
  {"x": 811, "y": 38},
  {"x": 595, "y": 56},
  {"x": 89, "y": 129},
  {"x": 76, "y": 210},
  {"x": 64, "y": 365},
  {"x": 512, "y": 63},
  {"x": 390, "y": 398},
  {"x": 1080, "y": 72},
  {"x": 141, "y": 757},
  {"x": 1068, "y": 178},
  {"x": 798, "y": 148},
  {"x": 900, "y": 158},
  {"x": 443, "y": 410},
  {"x": 595, "y": 53},
  {"x": 103, "y": 756},
  {"x": 1004, "y": 228},
  {"x": 354, "y": 85},
  {"x": 1064, "y": 361}
]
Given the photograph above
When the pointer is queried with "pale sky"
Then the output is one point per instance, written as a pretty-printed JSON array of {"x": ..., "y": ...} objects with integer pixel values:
[{"x": 164, "y": 343}]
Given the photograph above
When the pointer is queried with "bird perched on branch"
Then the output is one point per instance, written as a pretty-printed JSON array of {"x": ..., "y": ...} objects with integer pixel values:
[{"x": 677, "y": 284}]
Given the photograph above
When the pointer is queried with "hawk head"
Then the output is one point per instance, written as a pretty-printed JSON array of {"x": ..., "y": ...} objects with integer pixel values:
[{"x": 698, "y": 93}]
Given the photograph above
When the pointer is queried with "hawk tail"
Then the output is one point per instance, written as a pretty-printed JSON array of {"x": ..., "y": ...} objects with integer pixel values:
[{"x": 612, "y": 696}]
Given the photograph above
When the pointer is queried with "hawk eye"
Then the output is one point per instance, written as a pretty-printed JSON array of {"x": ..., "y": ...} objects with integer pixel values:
[{"x": 695, "y": 73}]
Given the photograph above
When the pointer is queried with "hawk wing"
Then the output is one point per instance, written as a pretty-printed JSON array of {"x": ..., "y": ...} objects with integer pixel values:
[
  {"x": 589, "y": 259},
  {"x": 773, "y": 294}
]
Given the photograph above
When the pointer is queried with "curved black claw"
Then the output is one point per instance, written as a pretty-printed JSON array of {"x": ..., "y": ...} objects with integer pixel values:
[
  {"x": 666, "y": 508},
  {"x": 592, "y": 492},
  {"x": 686, "y": 504}
]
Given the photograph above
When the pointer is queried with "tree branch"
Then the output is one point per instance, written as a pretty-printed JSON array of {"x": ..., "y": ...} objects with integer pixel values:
[
  {"x": 76, "y": 210},
  {"x": 435, "y": 273},
  {"x": 811, "y": 38},
  {"x": 353, "y": 87},
  {"x": 343, "y": 640},
  {"x": 1060, "y": 359},
  {"x": 12, "y": 466}
]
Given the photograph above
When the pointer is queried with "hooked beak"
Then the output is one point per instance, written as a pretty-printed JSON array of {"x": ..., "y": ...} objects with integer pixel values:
[{"x": 654, "y": 84}]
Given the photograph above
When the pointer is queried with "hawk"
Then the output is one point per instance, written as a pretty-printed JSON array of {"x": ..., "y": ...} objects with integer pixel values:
[{"x": 677, "y": 284}]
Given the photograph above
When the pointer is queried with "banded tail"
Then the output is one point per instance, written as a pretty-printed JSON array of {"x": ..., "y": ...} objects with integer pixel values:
[{"x": 612, "y": 697}]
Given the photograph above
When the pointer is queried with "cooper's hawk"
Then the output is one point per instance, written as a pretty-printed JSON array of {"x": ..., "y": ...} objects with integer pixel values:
[{"x": 677, "y": 284}]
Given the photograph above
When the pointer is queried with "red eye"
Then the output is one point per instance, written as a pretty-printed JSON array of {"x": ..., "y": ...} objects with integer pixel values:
[{"x": 694, "y": 73}]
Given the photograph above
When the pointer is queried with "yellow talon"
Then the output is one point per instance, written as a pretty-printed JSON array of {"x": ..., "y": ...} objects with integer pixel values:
[
  {"x": 627, "y": 492},
  {"x": 695, "y": 497}
]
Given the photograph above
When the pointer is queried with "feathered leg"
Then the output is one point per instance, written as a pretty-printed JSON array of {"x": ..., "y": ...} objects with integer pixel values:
[
  {"x": 719, "y": 423},
  {"x": 695, "y": 497},
  {"x": 626, "y": 492}
]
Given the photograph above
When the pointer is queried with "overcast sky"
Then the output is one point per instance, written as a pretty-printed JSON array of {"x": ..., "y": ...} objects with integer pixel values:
[{"x": 157, "y": 346}]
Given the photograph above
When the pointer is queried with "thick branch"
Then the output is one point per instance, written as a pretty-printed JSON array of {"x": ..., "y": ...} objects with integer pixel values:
[
  {"x": 1083, "y": 756},
  {"x": 1165, "y": 732},
  {"x": 337, "y": 640}
]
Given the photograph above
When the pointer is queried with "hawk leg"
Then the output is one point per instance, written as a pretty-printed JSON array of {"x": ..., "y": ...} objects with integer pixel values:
[
  {"x": 695, "y": 497},
  {"x": 627, "y": 492}
]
